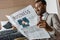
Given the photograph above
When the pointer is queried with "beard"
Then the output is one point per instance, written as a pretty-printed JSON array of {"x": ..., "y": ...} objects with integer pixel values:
[{"x": 40, "y": 12}]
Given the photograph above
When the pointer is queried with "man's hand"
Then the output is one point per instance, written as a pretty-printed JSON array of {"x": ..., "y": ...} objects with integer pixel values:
[{"x": 43, "y": 24}]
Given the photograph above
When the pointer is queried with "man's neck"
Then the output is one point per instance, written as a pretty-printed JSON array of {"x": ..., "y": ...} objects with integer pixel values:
[{"x": 41, "y": 14}]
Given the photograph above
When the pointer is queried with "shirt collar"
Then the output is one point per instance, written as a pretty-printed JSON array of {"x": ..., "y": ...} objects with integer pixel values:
[{"x": 45, "y": 14}]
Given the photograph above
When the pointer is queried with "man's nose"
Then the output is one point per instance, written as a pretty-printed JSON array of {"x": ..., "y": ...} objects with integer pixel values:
[{"x": 37, "y": 9}]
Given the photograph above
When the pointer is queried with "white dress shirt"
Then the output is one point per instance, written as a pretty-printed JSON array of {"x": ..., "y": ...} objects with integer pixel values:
[{"x": 44, "y": 17}]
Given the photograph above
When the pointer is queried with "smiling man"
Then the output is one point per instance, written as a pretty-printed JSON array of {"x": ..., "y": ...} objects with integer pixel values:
[{"x": 51, "y": 22}]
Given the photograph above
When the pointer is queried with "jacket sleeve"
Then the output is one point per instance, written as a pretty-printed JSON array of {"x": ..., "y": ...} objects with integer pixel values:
[{"x": 56, "y": 22}]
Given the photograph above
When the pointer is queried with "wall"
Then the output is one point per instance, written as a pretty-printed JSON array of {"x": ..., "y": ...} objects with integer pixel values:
[
  {"x": 52, "y": 6},
  {"x": 7, "y": 7}
]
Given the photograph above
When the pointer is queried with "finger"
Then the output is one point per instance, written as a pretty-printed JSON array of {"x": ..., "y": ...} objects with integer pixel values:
[{"x": 38, "y": 23}]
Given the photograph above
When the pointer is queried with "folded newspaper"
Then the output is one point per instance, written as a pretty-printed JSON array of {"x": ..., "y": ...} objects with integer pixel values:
[{"x": 25, "y": 21}]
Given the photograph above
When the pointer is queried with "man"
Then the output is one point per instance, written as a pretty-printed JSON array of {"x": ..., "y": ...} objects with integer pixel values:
[{"x": 51, "y": 22}]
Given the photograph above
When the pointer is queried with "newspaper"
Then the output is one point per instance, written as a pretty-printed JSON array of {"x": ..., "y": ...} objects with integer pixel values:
[{"x": 25, "y": 21}]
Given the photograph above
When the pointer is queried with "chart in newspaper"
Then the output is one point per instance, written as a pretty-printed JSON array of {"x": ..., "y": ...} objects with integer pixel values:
[{"x": 25, "y": 21}]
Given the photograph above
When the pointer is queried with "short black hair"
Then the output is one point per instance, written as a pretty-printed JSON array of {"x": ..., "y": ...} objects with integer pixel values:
[{"x": 43, "y": 1}]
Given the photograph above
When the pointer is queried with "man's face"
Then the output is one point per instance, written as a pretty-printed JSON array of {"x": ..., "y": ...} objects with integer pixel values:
[{"x": 40, "y": 8}]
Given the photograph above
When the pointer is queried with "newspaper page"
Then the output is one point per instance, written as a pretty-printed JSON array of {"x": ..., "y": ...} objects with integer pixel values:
[{"x": 25, "y": 21}]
